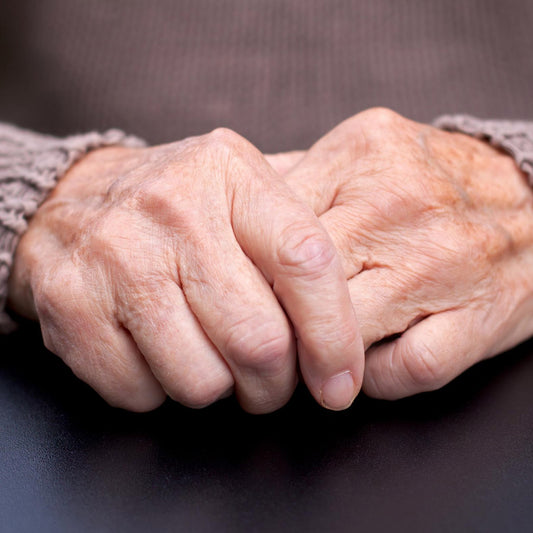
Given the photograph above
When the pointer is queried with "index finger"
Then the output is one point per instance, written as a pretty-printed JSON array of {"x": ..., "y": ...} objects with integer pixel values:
[{"x": 287, "y": 242}]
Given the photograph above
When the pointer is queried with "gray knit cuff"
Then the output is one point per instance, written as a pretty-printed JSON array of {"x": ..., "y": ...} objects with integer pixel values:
[
  {"x": 30, "y": 165},
  {"x": 515, "y": 137}
]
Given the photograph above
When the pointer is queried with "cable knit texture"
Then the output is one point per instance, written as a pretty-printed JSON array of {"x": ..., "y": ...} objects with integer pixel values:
[
  {"x": 30, "y": 165},
  {"x": 514, "y": 137}
]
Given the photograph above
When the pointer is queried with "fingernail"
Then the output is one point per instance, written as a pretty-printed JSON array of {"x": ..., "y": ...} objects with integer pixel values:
[{"x": 338, "y": 392}]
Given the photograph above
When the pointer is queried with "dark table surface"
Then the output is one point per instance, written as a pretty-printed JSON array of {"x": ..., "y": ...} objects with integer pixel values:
[{"x": 459, "y": 459}]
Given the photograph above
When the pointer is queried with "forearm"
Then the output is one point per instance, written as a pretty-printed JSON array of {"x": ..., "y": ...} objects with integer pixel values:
[{"x": 30, "y": 165}]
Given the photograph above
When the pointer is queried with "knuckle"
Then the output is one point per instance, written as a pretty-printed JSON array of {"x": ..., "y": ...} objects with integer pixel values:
[
  {"x": 233, "y": 154},
  {"x": 381, "y": 116},
  {"x": 58, "y": 293},
  {"x": 306, "y": 252},
  {"x": 98, "y": 237},
  {"x": 258, "y": 345},
  {"x": 424, "y": 368},
  {"x": 380, "y": 129},
  {"x": 225, "y": 140},
  {"x": 385, "y": 116},
  {"x": 268, "y": 353},
  {"x": 115, "y": 250},
  {"x": 163, "y": 202},
  {"x": 337, "y": 338},
  {"x": 489, "y": 242},
  {"x": 150, "y": 196},
  {"x": 388, "y": 205}
]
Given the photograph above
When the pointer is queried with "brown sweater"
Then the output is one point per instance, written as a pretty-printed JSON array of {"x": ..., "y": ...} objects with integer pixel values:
[{"x": 280, "y": 72}]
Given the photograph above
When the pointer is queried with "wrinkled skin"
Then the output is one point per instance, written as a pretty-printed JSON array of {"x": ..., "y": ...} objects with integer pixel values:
[
  {"x": 162, "y": 270},
  {"x": 435, "y": 231}
]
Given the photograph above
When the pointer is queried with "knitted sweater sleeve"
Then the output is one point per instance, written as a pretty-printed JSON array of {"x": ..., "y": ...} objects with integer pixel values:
[
  {"x": 30, "y": 165},
  {"x": 514, "y": 137}
]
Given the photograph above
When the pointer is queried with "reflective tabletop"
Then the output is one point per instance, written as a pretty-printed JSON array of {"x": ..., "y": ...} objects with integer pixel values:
[{"x": 458, "y": 459}]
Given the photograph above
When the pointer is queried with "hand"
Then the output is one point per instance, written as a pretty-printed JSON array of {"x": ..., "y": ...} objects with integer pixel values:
[
  {"x": 161, "y": 271},
  {"x": 435, "y": 231}
]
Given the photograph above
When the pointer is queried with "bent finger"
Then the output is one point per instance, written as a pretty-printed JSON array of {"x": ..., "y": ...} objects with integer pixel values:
[
  {"x": 108, "y": 360},
  {"x": 426, "y": 357},
  {"x": 78, "y": 325},
  {"x": 384, "y": 307},
  {"x": 244, "y": 320},
  {"x": 387, "y": 301},
  {"x": 180, "y": 355},
  {"x": 286, "y": 241}
]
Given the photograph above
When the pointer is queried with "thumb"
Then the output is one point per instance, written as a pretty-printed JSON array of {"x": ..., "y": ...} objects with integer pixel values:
[{"x": 425, "y": 357}]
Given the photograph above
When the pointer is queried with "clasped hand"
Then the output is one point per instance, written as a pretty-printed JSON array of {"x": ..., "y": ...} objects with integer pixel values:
[{"x": 390, "y": 255}]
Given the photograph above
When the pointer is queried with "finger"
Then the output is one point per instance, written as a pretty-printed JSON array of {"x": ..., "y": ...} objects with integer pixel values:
[
  {"x": 283, "y": 162},
  {"x": 105, "y": 357},
  {"x": 84, "y": 333},
  {"x": 383, "y": 304},
  {"x": 244, "y": 320},
  {"x": 180, "y": 355},
  {"x": 387, "y": 301},
  {"x": 425, "y": 357},
  {"x": 314, "y": 181},
  {"x": 345, "y": 229},
  {"x": 286, "y": 241},
  {"x": 321, "y": 174}
]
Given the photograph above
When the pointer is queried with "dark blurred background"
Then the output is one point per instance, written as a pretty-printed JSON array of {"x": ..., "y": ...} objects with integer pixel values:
[{"x": 279, "y": 72}]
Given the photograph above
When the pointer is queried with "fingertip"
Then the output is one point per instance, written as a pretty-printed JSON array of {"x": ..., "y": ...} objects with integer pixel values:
[
  {"x": 267, "y": 403},
  {"x": 386, "y": 374},
  {"x": 141, "y": 403},
  {"x": 339, "y": 391},
  {"x": 193, "y": 392},
  {"x": 115, "y": 369},
  {"x": 334, "y": 381},
  {"x": 378, "y": 380}
]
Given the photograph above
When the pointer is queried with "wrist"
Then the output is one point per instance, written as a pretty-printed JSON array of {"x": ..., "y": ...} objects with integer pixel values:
[
  {"x": 31, "y": 165},
  {"x": 513, "y": 137}
]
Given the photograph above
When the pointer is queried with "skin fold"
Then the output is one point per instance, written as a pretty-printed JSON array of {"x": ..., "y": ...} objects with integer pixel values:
[{"x": 390, "y": 255}]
